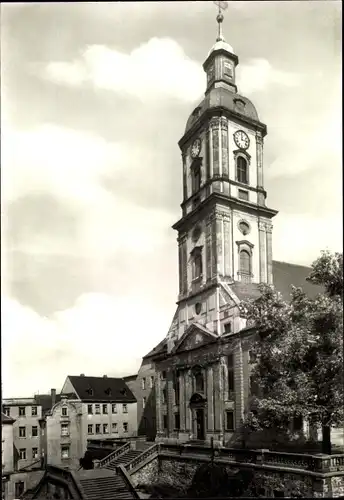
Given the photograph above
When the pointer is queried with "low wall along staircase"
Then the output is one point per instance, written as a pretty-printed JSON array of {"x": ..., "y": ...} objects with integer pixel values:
[{"x": 130, "y": 455}]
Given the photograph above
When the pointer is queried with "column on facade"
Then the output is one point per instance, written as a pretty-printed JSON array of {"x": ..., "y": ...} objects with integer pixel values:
[
  {"x": 208, "y": 249},
  {"x": 185, "y": 178},
  {"x": 262, "y": 252},
  {"x": 227, "y": 245},
  {"x": 224, "y": 146},
  {"x": 170, "y": 402},
  {"x": 217, "y": 397},
  {"x": 210, "y": 398},
  {"x": 211, "y": 159},
  {"x": 239, "y": 384},
  {"x": 180, "y": 263},
  {"x": 215, "y": 133},
  {"x": 222, "y": 372},
  {"x": 269, "y": 253},
  {"x": 158, "y": 396},
  {"x": 213, "y": 245},
  {"x": 219, "y": 244},
  {"x": 188, "y": 394},
  {"x": 259, "y": 159},
  {"x": 182, "y": 401},
  {"x": 184, "y": 260}
]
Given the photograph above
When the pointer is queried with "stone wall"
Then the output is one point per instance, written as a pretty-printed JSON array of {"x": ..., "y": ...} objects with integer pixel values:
[{"x": 178, "y": 473}]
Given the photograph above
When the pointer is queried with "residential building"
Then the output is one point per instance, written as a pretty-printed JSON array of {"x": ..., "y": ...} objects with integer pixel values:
[{"x": 96, "y": 407}]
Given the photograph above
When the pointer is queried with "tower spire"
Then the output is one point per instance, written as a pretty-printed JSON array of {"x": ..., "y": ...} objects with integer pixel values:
[{"x": 222, "y": 5}]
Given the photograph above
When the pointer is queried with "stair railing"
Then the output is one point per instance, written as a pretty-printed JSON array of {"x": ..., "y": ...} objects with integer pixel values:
[
  {"x": 152, "y": 450},
  {"x": 113, "y": 455}
]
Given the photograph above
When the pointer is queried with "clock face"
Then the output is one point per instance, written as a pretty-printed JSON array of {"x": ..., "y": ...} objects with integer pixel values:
[
  {"x": 196, "y": 148},
  {"x": 241, "y": 139}
]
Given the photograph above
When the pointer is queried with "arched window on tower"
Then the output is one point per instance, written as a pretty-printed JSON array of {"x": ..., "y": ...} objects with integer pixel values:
[
  {"x": 242, "y": 170},
  {"x": 196, "y": 179},
  {"x": 197, "y": 265},
  {"x": 245, "y": 265}
]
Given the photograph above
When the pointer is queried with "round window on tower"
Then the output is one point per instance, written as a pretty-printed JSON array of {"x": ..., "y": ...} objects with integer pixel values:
[
  {"x": 244, "y": 227},
  {"x": 198, "y": 308}
]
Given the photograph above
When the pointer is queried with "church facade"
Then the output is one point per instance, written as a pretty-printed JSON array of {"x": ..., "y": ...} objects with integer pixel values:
[{"x": 225, "y": 251}]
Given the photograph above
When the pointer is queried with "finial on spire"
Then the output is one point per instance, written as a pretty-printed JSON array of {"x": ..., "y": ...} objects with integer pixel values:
[{"x": 222, "y": 5}]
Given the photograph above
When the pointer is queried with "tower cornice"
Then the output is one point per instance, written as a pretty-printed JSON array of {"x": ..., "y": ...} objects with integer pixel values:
[
  {"x": 225, "y": 200},
  {"x": 219, "y": 111}
]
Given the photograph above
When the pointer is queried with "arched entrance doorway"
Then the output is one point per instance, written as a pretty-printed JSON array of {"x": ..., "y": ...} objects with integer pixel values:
[{"x": 198, "y": 406}]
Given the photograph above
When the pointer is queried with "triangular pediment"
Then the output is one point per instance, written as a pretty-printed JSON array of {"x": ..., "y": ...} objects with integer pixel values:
[{"x": 194, "y": 336}]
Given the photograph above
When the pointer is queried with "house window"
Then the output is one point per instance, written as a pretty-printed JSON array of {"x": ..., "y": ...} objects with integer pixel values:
[
  {"x": 243, "y": 195},
  {"x": 6, "y": 410},
  {"x": 34, "y": 411},
  {"x": 197, "y": 266},
  {"x": 177, "y": 421},
  {"x": 196, "y": 179},
  {"x": 64, "y": 430},
  {"x": 34, "y": 452},
  {"x": 164, "y": 396},
  {"x": 125, "y": 426},
  {"x": 97, "y": 428},
  {"x": 64, "y": 452},
  {"x": 105, "y": 428},
  {"x": 242, "y": 170},
  {"x": 230, "y": 361},
  {"x": 34, "y": 431},
  {"x": 90, "y": 429},
  {"x": 151, "y": 382},
  {"x": 143, "y": 384},
  {"x": 227, "y": 327},
  {"x": 22, "y": 454},
  {"x": 165, "y": 421},
  {"x": 22, "y": 432},
  {"x": 19, "y": 488},
  {"x": 65, "y": 411},
  {"x": 229, "y": 420},
  {"x": 97, "y": 409},
  {"x": 114, "y": 408},
  {"x": 125, "y": 408},
  {"x": 199, "y": 382},
  {"x": 105, "y": 409},
  {"x": 143, "y": 402},
  {"x": 90, "y": 409},
  {"x": 114, "y": 427},
  {"x": 22, "y": 411}
]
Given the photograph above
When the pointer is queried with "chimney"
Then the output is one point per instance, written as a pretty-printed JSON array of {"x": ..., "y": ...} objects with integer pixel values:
[
  {"x": 82, "y": 374},
  {"x": 53, "y": 397},
  {"x": 104, "y": 376}
]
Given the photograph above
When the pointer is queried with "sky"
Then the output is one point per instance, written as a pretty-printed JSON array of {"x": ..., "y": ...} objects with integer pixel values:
[{"x": 95, "y": 97}]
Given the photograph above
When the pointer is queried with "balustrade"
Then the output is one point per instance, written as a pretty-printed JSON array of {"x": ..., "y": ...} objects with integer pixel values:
[{"x": 112, "y": 456}]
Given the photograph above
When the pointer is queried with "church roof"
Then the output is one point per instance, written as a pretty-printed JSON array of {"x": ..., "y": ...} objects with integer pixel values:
[
  {"x": 221, "y": 97},
  {"x": 284, "y": 276},
  {"x": 102, "y": 389}
]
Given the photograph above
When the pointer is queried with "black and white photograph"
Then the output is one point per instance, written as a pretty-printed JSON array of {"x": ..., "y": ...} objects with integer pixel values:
[{"x": 172, "y": 249}]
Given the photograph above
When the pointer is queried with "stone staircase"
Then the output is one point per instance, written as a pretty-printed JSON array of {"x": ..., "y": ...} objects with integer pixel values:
[
  {"x": 123, "y": 459},
  {"x": 124, "y": 455}
]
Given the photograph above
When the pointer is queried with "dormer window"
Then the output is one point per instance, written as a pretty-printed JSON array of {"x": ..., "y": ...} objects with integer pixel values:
[
  {"x": 108, "y": 391},
  {"x": 242, "y": 170},
  {"x": 123, "y": 392},
  {"x": 89, "y": 391}
]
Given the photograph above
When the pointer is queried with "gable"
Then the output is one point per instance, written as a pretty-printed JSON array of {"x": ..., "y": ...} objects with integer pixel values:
[{"x": 195, "y": 336}]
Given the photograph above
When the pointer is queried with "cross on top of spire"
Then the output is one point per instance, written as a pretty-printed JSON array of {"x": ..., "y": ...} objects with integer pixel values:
[{"x": 222, "y": 5}]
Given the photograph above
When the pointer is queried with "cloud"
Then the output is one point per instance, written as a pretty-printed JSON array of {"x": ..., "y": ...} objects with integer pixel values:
[
  {"x": 156, "y": 69},
  {"x": 258, "y": 75},
  {"x": 309, "y": 235},
  {"x": 97, "y": 327}
]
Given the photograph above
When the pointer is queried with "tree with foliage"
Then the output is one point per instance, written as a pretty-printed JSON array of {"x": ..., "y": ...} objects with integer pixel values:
[{"x": 299, "y": 353}]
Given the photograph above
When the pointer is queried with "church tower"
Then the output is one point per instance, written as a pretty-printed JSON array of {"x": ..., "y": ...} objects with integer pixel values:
[{"x": 225, "y": 232}]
